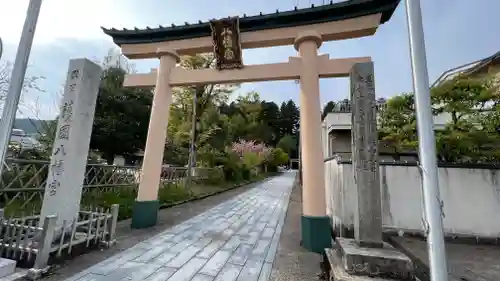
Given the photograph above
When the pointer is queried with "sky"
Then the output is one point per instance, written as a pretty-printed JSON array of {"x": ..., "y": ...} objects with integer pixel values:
[{"x": 456, "y": 32}]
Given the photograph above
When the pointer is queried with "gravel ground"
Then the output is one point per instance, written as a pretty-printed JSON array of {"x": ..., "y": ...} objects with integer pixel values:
[{"x": 292, "y": 262}]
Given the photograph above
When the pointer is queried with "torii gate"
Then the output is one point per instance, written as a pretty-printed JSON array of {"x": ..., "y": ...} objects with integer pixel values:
[{"x": 306, "y": 29}]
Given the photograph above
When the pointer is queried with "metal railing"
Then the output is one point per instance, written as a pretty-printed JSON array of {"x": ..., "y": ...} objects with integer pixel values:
[
  {"x": 23, "y": 181},
  {"x": 29, "y": 241}
]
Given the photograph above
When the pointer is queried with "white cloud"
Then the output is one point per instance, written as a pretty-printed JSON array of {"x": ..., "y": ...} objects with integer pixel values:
[{"x": 65, "y": 19}]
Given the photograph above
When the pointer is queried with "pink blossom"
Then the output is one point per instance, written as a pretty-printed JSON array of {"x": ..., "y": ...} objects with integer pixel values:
[{"x": 242, "y": 146}]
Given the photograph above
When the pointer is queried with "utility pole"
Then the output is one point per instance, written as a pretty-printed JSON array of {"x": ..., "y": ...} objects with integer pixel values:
[
  {"x": 17, "y": 78},
  {"x": 427, "y": 144},
  {"x": 192, "y": 149},
  {"x": 1, "y": 47}
]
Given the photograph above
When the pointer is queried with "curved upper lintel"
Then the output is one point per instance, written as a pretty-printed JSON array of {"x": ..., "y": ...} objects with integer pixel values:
[
  {"x": 329, "y": 31},
  {"x": 338, "y": 11}
]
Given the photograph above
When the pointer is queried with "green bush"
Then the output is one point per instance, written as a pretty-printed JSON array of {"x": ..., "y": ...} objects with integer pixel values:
[
  {"x": 123, "y": 195},
  {"x": 246, "y": 173},
  {"x": 232, "y": 167},
  {"x": 215, "y": 177},
  {"x": 276, "y": 158},
  {"x": 170, "y": 193}
]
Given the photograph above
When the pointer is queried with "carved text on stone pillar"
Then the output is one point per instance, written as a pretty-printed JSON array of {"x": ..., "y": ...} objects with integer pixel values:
[{"x": 368, "y": 224}]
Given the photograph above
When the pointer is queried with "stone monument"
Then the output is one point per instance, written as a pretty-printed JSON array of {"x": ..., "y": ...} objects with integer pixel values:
[
  {"x": 364, "y": 136},
  {"x": 70, "y": 149},
  {"x": 366, "y": 255}
]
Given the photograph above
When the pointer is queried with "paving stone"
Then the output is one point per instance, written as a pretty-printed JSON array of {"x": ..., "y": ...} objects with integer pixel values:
[
  {"x": 251, "y": 270},
  {"x": 202, "y": 277},
  {"x": 115, "y": 262},
  {"x": 268, "y": 233},
  {"x": 189, "y": 270},
  {"x": 138, "y": 271},
  {"x": 251, "y": 238},
  {"x": 90, "y": 277},
  {"x": 164, "y": 258},
  {"x": 162, "y": 274},
  {"x": 210, "y": 249},
  {"x": 232, "y": 244},
  {"x": 229, "y": 272},
  {"x": 147, "y": 256},
  {"x": 177, "y": 248},
  {"x": 271, "y": 253},
  {"x": 236, "y": 240},
  {"x": 245, "y": 229},
  {"x": 215, "y": 264},
  {"x": 241, "y": 254},
  {"x": 183, "y": 257},
  {"x": 266, "y": 271},
  {"x": 259, "y": 227},
  {"x": 261, "y": 248}
]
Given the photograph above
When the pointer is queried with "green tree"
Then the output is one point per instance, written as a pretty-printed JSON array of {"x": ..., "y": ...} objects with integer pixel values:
[
  {"x": 290, "y": 117},
  {"x": 463, "y": 98},
  {"x": 470, "y": 136},
  {"x": 290, "y": 123},
  {"x": 471, "y": 102},
  {"x": 278, "y": 157},
  {"x": 397, "y": 123},
  {"x": 208, "y": 97},
  {"x": 121, "y": 116},
  {"x": 270, "y": 121},
  {"x": 329, "y": 107},
  {"x": 287, "y": 143}
]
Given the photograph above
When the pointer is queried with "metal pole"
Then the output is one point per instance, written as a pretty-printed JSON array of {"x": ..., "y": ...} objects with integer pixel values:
[
  {"x": 191, "y": 160},
  {"x": 427, "y": 146},
  {"x": 17, "y": 78},
  {"x": 1, "y": 47}
]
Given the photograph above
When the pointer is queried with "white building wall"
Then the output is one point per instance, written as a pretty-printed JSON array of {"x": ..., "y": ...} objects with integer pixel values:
[{"x": 471, "y": 198}]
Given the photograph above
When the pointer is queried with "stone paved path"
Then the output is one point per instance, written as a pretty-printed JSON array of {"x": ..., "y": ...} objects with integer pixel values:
[{"x": 236, "y": 240}]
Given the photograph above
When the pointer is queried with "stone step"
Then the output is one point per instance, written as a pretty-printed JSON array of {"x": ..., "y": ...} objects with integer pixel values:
[
  {"x": 337, "y": 271},
  {"x": 16, "y": 276},
  {"x": 7, "y": 267}
]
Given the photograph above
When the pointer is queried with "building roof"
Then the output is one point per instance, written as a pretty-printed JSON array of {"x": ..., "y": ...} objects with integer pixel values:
[
  {"x": 297, "y": 17},
  {"x": 467, "y": 69}
]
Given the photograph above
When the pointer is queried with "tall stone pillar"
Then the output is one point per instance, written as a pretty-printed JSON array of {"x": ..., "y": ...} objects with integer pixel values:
[
  {"x": 145, "y": 211},
  {"x": 368, "y": 214},
  {"x": 366, "y": 254},
  {"x": 315, "y": 224},
  {"x": 63, "y": 189}
]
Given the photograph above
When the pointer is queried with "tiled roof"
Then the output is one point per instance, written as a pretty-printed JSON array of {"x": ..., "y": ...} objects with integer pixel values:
[
  {"x": 296, "y": 17},
  {"x": 466, "y": 69}
]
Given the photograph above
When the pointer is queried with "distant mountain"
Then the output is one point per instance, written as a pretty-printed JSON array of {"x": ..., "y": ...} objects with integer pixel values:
[{"x": 30, "y": 126}]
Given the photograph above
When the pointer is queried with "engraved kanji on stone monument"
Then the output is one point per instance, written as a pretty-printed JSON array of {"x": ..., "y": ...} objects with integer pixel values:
[
  {"x": 368, "y": 213},
  {"x": 70, "y": 149}
]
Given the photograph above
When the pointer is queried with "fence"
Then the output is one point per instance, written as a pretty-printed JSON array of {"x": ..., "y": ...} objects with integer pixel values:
[
  {"x": 32, "y": 243},
  {"x": 470, "y": 195},
  {"x": 23, "y": 181},
  {"x": 345, "y": 106}
]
